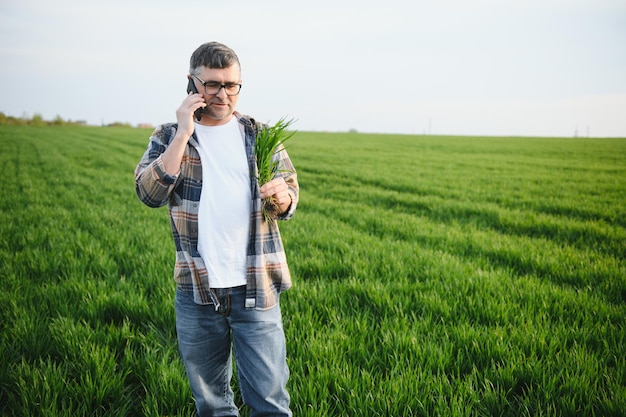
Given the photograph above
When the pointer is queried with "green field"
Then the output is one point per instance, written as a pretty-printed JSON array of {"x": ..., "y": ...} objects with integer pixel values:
[{"x": 433, "y": 276}]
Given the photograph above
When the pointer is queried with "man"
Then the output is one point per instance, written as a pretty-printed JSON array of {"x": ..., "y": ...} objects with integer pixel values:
[{"x": 230, "y": 262}]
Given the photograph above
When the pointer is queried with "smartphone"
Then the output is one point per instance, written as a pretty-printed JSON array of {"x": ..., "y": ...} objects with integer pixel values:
[{"x": 191, "y": 88}]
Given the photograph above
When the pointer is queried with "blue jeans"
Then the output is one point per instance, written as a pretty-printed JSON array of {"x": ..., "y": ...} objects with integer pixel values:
[{"x": 205, "y": 337}]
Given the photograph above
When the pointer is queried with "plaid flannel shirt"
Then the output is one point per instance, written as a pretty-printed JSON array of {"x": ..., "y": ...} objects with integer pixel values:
[{"x": 267, "y": 272}]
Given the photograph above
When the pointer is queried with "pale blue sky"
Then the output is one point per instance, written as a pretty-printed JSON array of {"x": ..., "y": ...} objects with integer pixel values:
[{"x": 475, "y": 67}]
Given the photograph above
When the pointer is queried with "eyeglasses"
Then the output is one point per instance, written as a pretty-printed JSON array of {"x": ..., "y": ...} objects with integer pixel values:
[{"x": 213, "y": 87}]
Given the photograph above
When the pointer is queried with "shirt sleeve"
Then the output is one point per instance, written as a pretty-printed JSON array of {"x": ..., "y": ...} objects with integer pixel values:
[
  {"x": 288, "y": 172},
  {"x": 152, "y": 183}
]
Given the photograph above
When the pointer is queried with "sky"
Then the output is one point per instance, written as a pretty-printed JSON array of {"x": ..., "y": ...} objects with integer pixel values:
[{"x": 441, "y": 67}]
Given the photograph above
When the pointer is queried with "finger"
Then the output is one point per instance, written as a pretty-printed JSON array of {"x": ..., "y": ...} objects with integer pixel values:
[
  {"x": 275, "y": 183},
  {"x": 196, "y": 102},
  {"x": 269, "y": 192},
  {"x": 196, "y": 106},
  {"x": 274, "y": 187},
  {"x": 283, "y": 198}
]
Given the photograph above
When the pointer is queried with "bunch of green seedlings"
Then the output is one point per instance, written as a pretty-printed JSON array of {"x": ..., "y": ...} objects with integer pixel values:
[{"x": 270, "y": 141}]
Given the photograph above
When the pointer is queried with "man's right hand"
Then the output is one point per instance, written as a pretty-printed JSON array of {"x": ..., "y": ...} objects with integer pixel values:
[
  {"x": 173, "y": 155},
  {"x": 184, "y": 114}
]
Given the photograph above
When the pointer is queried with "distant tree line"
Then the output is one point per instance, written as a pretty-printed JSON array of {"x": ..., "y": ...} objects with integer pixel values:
[{"x": 38, "y": 120}]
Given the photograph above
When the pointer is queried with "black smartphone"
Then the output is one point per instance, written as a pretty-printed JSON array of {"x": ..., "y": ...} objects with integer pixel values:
[{"x": 191, "y": 88}]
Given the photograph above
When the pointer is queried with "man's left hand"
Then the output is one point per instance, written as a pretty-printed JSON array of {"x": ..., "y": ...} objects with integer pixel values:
[{"x": 278, "y": 189}]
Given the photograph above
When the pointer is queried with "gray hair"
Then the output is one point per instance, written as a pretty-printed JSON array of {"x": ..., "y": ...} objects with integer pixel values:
[{"x": 212, "y": 55}]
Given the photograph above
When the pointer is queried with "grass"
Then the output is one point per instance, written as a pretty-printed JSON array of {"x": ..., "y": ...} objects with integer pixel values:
[{"x": 433, "y": 276}]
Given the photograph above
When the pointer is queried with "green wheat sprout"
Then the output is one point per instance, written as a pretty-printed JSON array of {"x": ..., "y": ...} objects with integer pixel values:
[{"x": 269, "y": 142}]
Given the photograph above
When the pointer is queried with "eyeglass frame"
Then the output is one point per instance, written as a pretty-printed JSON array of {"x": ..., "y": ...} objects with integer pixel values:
[{"x": 204, "y": 84}]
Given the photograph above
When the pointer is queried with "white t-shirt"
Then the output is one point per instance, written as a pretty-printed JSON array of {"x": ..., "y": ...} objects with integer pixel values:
[{"x": 225, "y": 203}]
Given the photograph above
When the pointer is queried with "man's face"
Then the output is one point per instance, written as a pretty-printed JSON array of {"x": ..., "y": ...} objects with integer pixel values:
[{"x": 220, "y": 106}]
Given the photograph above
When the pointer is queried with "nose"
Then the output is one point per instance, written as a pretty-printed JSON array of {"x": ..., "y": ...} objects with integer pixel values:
[{"x": 221, "y": 92}]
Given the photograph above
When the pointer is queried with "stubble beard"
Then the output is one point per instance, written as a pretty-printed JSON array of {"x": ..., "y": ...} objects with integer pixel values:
[{"x": 218, "y": 115}]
